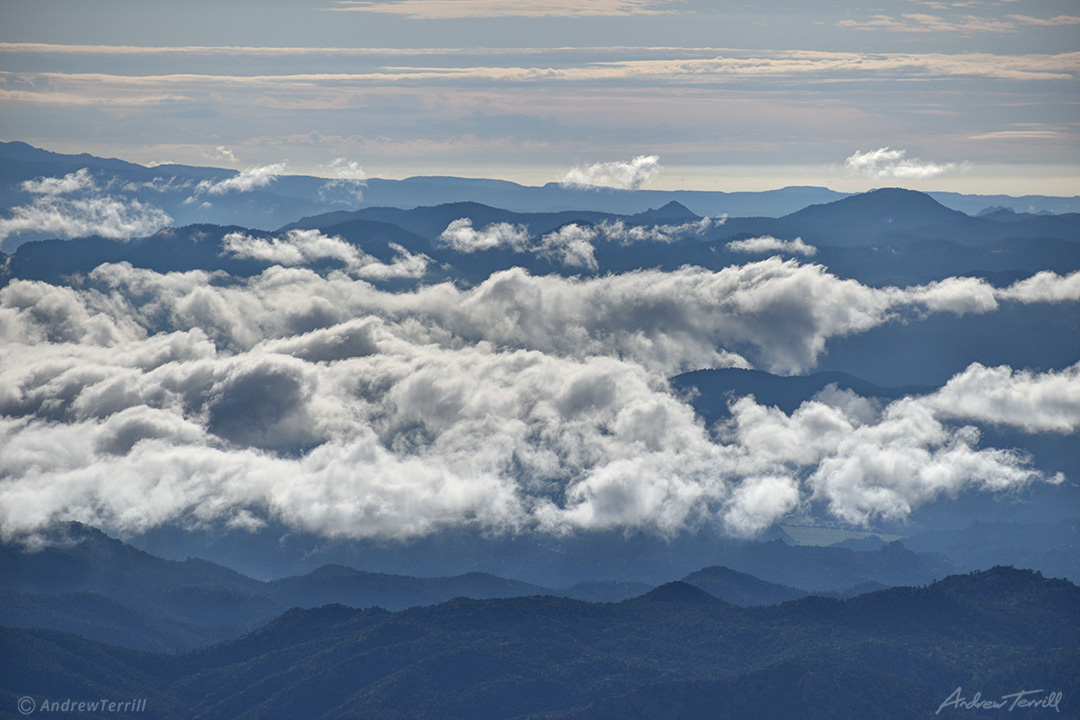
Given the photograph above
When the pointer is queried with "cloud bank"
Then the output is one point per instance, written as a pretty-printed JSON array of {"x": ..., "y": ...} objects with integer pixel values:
[{"x": 524, "y": 404}]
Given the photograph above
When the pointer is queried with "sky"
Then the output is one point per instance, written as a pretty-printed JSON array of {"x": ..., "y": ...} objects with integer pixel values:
[{"x": 977, "y": 97}]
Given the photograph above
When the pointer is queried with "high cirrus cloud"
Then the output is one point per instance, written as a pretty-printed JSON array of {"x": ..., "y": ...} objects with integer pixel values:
[
  {"x": 76, "y": 206},
  {"x": 522, "y": 404},
  {"x": 892, "y": 163},
  {"x": 621, "y": 175}
]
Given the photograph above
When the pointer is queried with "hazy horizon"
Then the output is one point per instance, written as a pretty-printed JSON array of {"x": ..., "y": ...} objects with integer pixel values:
[{"x": 973, "y": 98}]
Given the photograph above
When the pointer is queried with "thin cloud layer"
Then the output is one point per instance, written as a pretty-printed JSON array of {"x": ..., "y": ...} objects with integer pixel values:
[
  {"x": 451, "y": 9},
  {"x": 523, "y": 404},
  {"x": 620, "y": 175}
]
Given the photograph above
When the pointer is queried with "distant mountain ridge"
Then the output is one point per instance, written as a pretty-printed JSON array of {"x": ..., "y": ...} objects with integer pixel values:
[
  {"x": 559, "y": 658},
  {"x": 286, "y": 198},
  {"x": 100, "y": 587}
]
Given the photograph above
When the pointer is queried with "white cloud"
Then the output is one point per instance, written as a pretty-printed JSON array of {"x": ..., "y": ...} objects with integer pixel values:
[
  {"x": 621, "y": 175},
  {"x": 769, "y": 244},
  {"x": 889, "y": 163},
  {"x": 525, "y": 403},
  {"x": 1045, "y": 286},
  {"x": 74, "y": 206},
  {"x": 347, "y": 169},
  {"x": 619, "y": 231},
  {"x": 1034, "y": 402},
  {"x": 303, "y": 247},
  {"x": 244, "y": 181},
  {"x": 572, "y": 245},
  {"x": 461, "y": 236}
]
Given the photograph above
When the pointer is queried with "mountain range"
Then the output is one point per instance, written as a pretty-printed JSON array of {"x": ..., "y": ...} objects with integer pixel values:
[
  {"x": 458, "y": 448},
  {"x": 270, "y": 198},
  {"x": 675, "y": 651}
]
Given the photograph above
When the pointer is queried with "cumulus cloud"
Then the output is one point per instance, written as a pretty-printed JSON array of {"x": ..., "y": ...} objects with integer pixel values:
[
  {"x": 75, "y": 206},
  {"x": 522, "y": 404},
  {"x": 461, "y": 236},
  {"x": 768, "y": 244},
  {"x": 889, "y": 163},
  {"x": 571, "y": 245},
  {"x": 1034, "y": 402},
  {"x": 620, "y": 174},
  {"x": 244, "y": 181}
]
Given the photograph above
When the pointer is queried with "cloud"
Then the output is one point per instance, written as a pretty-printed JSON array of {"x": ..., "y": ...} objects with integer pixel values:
[
  {"x": 1043, "y": 402},
  {"x": 448, "y": 9},
  {"x": 304, "y": 247},
  {"x": 1045, "y": 286},
  {"x": 888, "y": 163},
  {"x": 522, "y": 404},
  {"x": 1057, "y": 21},
  {"x": 621, "y": 175},
  {"x": 244, "y": 181},
  {"x": 571, "y": 245},
  {"x": 769, "y": 244},
  {"x": 74, "y": 206},
  {"x": 621, "y": 232},
  {"x": 347, "y": 169},
  {"x": 223, "y": 153},
  {"x": 926, "y": 23},
  {"x": 460, "y": 235}
]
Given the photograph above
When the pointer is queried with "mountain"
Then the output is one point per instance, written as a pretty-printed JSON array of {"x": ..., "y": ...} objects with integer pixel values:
[
  {"x": 740, "y": 588},
  {"x": 897, "y": 653},
  {"x": 1051, "y": 547},
  {"x": 102, "y": 588},
  {"x": 105, "y": 589},
  {"x": 430, "y": 222},
  {"x": 894, "y": 216}
]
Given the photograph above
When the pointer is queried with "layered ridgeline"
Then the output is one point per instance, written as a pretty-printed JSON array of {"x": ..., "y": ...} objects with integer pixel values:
[
  {"x": 89, "y": 584},
  {"x": 675, "y": 652},
  {"x": 119, "y": 198}
]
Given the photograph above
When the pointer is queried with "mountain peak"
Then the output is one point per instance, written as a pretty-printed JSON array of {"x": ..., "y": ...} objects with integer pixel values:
[
  {"x": 677, "y": 591},
  {"x": 674, "y": 211}
]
